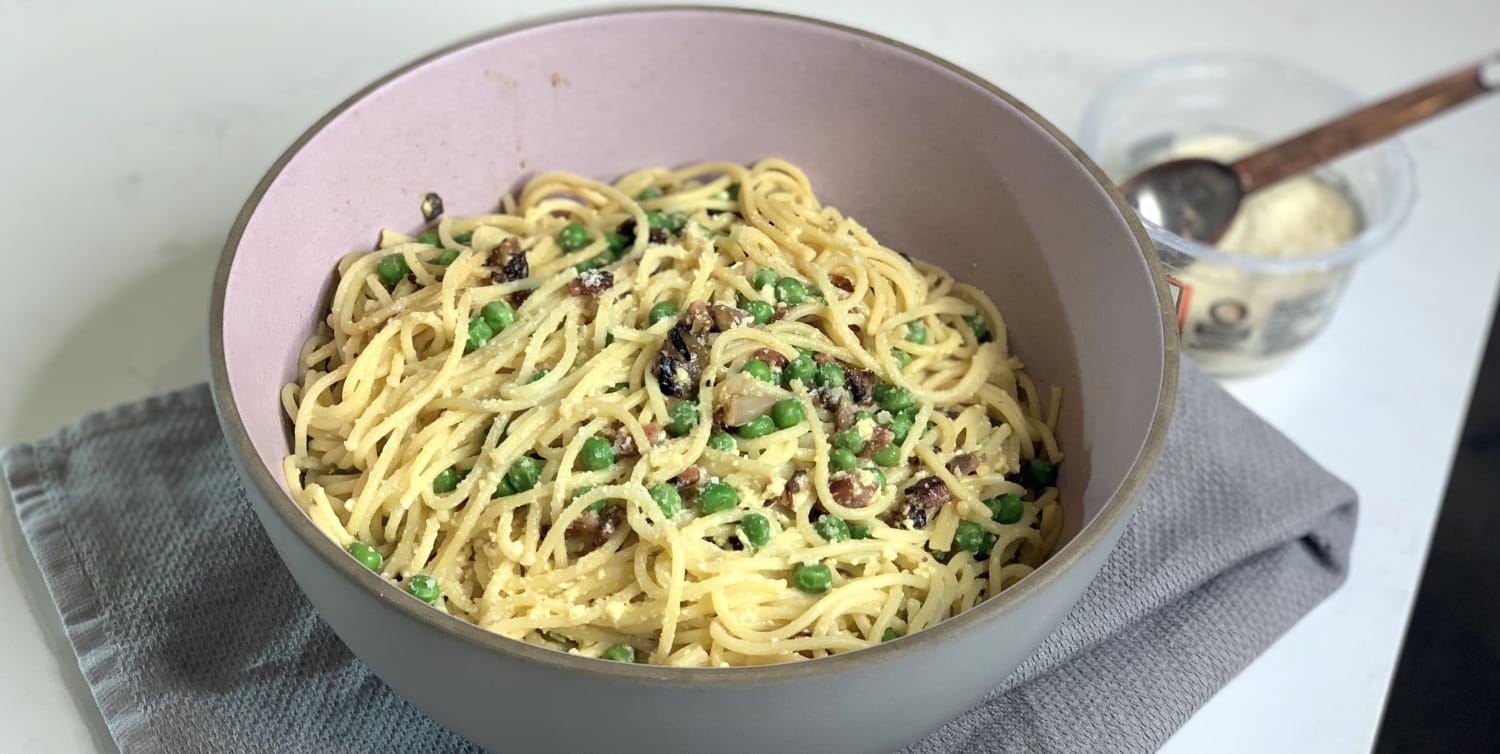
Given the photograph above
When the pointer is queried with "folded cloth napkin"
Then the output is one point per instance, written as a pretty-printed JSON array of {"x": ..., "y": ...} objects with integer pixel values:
[{"x": 193, "y": 637}]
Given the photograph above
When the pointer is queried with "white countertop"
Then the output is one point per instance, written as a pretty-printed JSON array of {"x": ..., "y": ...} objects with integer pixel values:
[{"x": 134, "y": 131}]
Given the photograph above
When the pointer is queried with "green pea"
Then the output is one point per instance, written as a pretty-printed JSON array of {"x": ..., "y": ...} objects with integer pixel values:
[
  {"x": 446, "y": 481},
  {"x": 800, "y": 369},
  {"x": 596, "y": 454},
  {"x": 733, "y": 190},
  {"x": 592, "y": 263},
  {"x": 656, "y": 219},
  {"x": 1040, "y": 472},
  {"x": 969, "y": 537},
  {"x": 1006, "y": 509},
  {"x": 429, "y": 237},
  {"x": 717, "y": 496},
  {"x": 790, "y": 291},
  {"x": 661, "y": 311},
  {"x": 619, "y": 653},
  {"x": 760, "y": 310},
  {"x": 760, "y": 426},
  {"x": 595, "y": 507},
  {"x": 903, "y": 359},
  {"x": 424, "y": 588},
  {"x": 832, "y": 528},
  {"x": 830, "y": 374},
  {"x": 721, "y": 441},
  {"x": 498, "y": 315},
  {"x": 676, "y": 221},
  {"x": 609, "y": 339},
  {"x": 446, "y": 257},
  {"x": 583, "y": 489},
  {"x": 479, "y": 333},
  {"x": 980, "y": 327},
  {"x": 540, "y": 373},
  {"x": 368, "y": 556},
  {"x": 524, "y": 473},
  {"x": 888, "y": 455},
  {"x": 684, "y": 417},
  {"x": 667, "y": 498},
  {"x": 573, "y": 237},
  {"x": 861, "y": 415},
  {"x": 916, "y": 332},
  {"x": 841, "y": 459},
  {"x": 890, "y": 635},
  {"x": 900, "y": 427},
  {"x": 504, "y": 489},
  {"x": 763, "y": 277},
  {"x": 859, "y": 531},
  {"x": 617, "y": 243},
  {"x": 849, "y": 439},
  {"x": 788, "y": 413},
  {"x": 813, "y": 578},
  {"x": 756, "y": 529},
  {"x": 464, "y": 238},
  {"x": 892, "y": 397},
  {"x": 879, "y": 476},
  {"x": 648, "y": 193},
  {"x": 391, "y": 269},
  {"x": 758, "y": 369}
]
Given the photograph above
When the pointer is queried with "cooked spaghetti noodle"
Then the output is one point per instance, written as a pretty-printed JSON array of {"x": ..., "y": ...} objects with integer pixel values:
[{"x": 692, "y": 418}]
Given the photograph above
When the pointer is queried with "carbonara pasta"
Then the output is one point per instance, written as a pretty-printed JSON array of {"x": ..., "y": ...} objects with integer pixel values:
[{"x": 691, "y": 418}]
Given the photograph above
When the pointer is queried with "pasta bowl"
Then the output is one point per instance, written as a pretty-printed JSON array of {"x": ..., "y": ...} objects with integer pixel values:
[{"x": 932, "y": 159}]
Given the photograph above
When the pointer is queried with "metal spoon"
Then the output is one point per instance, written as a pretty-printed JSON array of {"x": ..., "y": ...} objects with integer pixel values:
[{"x": 1197, "y": 198}]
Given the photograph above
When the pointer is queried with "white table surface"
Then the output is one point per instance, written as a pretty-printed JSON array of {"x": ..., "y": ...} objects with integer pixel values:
[{"x": 132, "y": 133}]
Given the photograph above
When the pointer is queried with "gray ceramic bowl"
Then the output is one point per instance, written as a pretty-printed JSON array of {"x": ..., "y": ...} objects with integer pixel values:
[{"x": 936, "y": 161}]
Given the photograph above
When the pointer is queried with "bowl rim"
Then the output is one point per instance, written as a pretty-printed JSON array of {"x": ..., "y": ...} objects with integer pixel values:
[{"x": 1066, "y": 560}]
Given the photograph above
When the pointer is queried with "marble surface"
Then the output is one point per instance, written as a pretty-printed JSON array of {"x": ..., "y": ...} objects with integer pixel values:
[{"x": 133, "y": 132}]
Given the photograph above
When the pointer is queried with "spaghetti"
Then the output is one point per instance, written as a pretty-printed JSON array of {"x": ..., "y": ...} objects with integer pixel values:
[{"x": 691, "y": 418}]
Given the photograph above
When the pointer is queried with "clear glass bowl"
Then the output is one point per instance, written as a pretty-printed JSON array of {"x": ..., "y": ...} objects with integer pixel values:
[{"x": 1239, "y": 314}]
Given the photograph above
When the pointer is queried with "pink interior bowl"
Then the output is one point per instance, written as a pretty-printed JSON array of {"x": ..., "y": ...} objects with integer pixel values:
[{"x": 934, "y": 160}]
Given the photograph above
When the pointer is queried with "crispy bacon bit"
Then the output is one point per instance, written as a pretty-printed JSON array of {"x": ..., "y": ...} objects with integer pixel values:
[
  {"x": 608, "y": 523},
  {"x": 658, "y": 235},
  {"x": 773, "y": 358},
  {"x": 860, "y": 383},
  {"x": 853, "y": 489},
  {"x": 653, "y": 432},
  {"x": 842, "y": 283},
  {"x": 598, "y": 526},
  {"x": 587, "y": 524},
  {"x": 794, "y": 487},
  {"x": 725, "y": 317},
  {"x": 880, "y": 436},
  {"x": 921, "y": 498},
  {"x": 950, "y": 412},
  {"x": 591, "y": 283},
  {"x": 964, "y": 464},
  {"x": 519, "y": 297},
  {"x": 623, "y": 443},
  {"x": 689, "y": 477},
  {"x": 843, "y": 411}
]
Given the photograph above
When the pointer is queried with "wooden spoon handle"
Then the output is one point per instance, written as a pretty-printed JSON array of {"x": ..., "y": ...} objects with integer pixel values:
[{"x": 1368, "y": 124}]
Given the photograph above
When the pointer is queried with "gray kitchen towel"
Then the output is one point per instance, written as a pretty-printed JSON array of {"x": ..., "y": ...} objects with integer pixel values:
[{"x": 193, "y": 637}]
